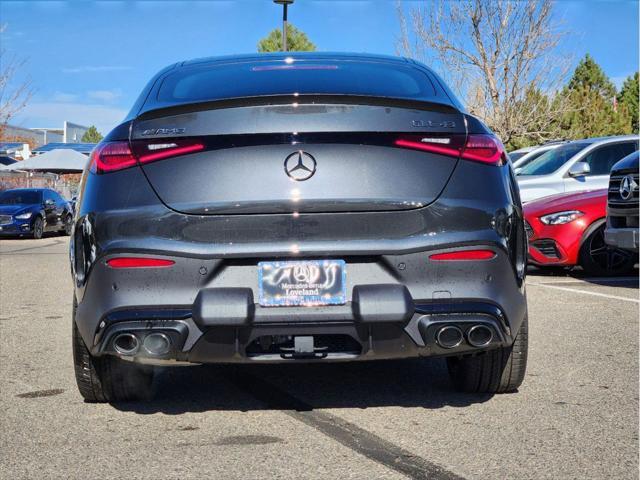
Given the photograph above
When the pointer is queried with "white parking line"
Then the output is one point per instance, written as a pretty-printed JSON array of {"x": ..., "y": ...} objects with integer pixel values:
[
  {"x": 561, "y": 281},
  {"x": 596, "y": 294}
]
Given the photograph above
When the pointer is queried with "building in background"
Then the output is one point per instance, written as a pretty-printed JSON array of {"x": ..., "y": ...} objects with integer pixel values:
[
  {"x": 72, "y": 132},
  {"x": 21, "y": 143},
  {"x": 36, "y": 137}
]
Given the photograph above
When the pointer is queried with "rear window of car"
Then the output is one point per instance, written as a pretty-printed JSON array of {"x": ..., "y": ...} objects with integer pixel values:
[
  {"x": 531, "y": 156},
  {"x": 236, "y": 80},
  {"x": 516, "y": 155},
  {"x": 552, "y": 160}
]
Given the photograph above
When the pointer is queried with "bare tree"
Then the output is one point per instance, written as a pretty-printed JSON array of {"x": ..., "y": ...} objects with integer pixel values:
[
  {"x": 500, "y": 58},
  {"x": 14, "y": 93}
]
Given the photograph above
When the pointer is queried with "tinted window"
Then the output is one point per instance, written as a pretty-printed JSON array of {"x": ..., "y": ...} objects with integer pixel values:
[
  {"x": 535, "y": 155},
  {"x": 602, "y": 159},
  {"x": 516, "y": 155},
  {"x": 552, "y": 160},
  {"x": 16, "y": 197},
  {"x": 234, "y": 80},
  {"x": 532, "y": 156}
]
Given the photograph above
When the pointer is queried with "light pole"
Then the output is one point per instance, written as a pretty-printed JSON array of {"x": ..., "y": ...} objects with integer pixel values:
[{"x": 285, "y": 4}]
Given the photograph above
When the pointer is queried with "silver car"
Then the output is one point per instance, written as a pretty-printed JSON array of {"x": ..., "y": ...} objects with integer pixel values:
[
  {"x": 516, "y": 155},
  {"x": 575, "y": 166}
]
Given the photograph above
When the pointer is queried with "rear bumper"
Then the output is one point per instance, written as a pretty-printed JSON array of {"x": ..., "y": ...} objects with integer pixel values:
[
  {"x": 624, "y": 238},
  {"x": 344, "y": 337},
  {"x": 396, "y": 307}
]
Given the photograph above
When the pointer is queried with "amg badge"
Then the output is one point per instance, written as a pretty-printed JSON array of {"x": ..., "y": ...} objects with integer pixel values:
[{"x": 163, "y": 131}]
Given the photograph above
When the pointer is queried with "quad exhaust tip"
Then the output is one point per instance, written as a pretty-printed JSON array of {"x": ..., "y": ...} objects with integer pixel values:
[
  {"x": 126, "y": 344},
  {"x": 157, "y": 344},
  {"x": 479, "y": 336},
  {"x": 449, "y": 336}
]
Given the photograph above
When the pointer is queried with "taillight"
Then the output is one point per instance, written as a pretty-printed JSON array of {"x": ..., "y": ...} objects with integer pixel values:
[
  {"x": 450, "y": 146},
  {"x": 112, "y": 156},
  {"x": 463, "y": 255},
  {"x": 485, "y": 149},
  {"x": 158, "y": 149},
  {"x": 139, "y": 262},
  {"x": 477, "y": 147}
]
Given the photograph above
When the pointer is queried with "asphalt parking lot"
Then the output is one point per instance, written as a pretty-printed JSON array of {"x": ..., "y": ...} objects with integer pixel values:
[{"x": 576, "y": 415}]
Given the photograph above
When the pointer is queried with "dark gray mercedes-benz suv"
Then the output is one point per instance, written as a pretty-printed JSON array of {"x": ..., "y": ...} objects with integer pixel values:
[{"x": 297, "y": 208}]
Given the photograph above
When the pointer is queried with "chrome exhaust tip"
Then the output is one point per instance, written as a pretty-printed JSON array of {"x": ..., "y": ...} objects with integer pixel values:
[
  {"x": 126, "y": 344},
  {"x": 479, "y": 336},
  {"x": 157, "y": 344},
  {"x": 449, "y": 336}
]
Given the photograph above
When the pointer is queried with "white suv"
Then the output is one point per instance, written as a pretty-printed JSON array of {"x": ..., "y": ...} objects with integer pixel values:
[{"x": 575, "y": 166}]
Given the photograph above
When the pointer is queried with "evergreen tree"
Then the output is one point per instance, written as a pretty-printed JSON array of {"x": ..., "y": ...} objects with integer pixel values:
[
  {"x": 588, "y": 74},
  {"x": 628, "y": 99},
  {"x": 297, "y": 41},
  {"x": 593, "y": 97},
  {"x": 92, "y": 135}
]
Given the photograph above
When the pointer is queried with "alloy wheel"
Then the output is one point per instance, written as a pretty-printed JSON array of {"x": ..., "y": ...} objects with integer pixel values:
[
  {"x": 38, "y": 228},
  {"x": 607, "y": 257}
]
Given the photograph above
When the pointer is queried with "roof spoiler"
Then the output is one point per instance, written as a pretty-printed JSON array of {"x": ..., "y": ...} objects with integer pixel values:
[{"x": 304, "y": 99}]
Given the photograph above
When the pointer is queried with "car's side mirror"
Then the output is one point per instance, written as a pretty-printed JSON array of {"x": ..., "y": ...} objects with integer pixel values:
[
  {"x": 49, "y": 203},
  {"x": 517, "y": 170},
  {"x": 579, "y": 169}
]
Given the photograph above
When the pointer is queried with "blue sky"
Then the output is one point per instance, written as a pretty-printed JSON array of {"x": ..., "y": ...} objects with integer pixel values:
[{"x": 88, "y": 61}]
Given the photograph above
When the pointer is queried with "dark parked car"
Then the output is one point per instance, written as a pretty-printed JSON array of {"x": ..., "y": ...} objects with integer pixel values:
[
  {"x": 33, "y": 211},
  {"x": 298, "y": 208},
  {"x": 622, "y": 207}
]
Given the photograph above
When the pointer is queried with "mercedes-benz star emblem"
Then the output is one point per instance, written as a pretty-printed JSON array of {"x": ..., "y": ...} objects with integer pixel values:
[
  {"x": 300, "y": 166},
  {"x": 627, "y": 186}
]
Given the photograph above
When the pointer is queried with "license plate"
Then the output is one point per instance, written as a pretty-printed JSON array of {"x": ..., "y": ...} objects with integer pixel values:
[{"x": 306, "y": 282}]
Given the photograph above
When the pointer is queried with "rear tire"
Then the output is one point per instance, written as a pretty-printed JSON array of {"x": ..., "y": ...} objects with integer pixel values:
[
  {"x": 496, "y": 371},
  {"x": 599, "y": 259},
  {"x": 107, "y": 378},
  {"x": 38, "y": 228}
]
